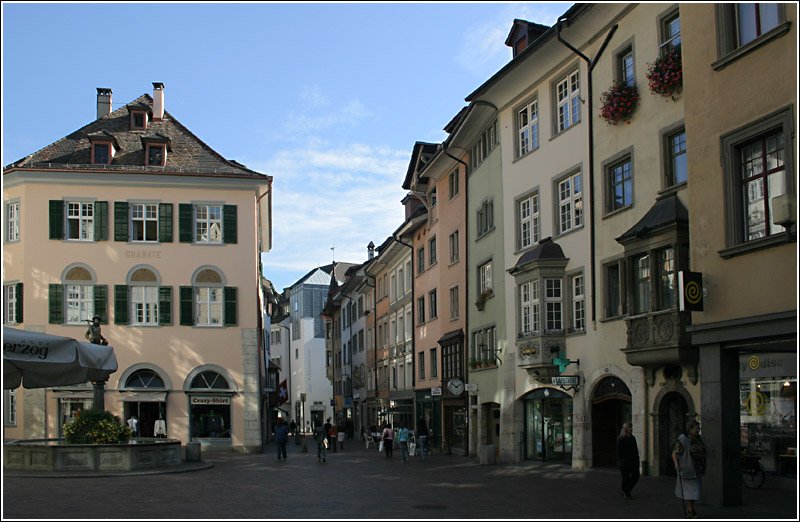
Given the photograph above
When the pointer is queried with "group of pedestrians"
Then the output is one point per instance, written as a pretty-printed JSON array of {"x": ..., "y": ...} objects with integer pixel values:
[
  {"x": 405, "y": 437},
  {"x": 688, "y": 457}
]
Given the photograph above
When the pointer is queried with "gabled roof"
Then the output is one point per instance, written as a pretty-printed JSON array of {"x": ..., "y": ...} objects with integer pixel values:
[
  {"x": 189, "y": 155},
  {"x": 321, "y": 274},
  {"x": 420, "y": 155}
]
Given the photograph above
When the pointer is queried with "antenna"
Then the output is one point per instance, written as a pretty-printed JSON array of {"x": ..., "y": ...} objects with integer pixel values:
[{"x": 333, "y": 254}]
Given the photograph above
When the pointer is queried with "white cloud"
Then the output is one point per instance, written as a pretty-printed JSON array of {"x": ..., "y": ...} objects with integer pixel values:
[
  {"x": 326, "y": 196},
  {"x": 483, "y": 50}
]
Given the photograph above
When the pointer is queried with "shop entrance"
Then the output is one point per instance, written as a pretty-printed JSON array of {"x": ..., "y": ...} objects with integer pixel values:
[
  {"x": 147, "y": 413},
  {"x": 548, "y": 426},
  {"x": 611, "y": 407}
]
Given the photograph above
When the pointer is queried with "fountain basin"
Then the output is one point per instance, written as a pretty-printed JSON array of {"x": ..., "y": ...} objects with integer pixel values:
[{"x": 57, "y": 455}]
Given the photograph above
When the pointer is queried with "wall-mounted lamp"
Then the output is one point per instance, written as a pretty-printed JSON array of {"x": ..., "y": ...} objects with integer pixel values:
[{"x": 784, "y": 209}]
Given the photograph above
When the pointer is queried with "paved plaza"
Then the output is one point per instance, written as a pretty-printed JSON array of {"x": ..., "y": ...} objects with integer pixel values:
[{"x": 358, "y": 483}]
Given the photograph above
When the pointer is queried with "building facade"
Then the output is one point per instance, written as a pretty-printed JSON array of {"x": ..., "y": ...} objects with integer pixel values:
[{"x": 130, "y": 197}]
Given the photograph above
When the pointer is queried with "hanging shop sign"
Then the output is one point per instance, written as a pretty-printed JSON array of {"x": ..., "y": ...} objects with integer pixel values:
[{"x": 690, "y": 291}]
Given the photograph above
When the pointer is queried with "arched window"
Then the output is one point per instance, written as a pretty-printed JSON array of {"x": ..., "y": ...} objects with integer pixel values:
[
  {"x": 208, "y": 302},
  {"x": 209, "y": 380},
  {"x": 144, "y": 297},
  {"x": 79, "y": 295},
  {"x": 144, "y": 379}
]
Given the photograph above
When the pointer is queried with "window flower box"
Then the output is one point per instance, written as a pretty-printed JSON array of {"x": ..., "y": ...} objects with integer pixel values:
[
  {"x": 665, "y": 74},
  {"x": 618, "y": 103}
]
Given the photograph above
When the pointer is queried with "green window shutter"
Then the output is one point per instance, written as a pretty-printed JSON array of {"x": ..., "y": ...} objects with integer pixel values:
[
  {"x": 185, "y": 222},
  {"x": 101, "y": 302},
  {"x": 56, "y": 219},
  {"x": 18, "y": 309},
  {"x": 121, "y": 304},
  {"x": 121, "y": 229},
  {"x": 101, "y": 221},
  {"x": 187, "y": 305},
  {"x": 230, "y": 306},
  {"x": 165, "y": 305},
  {"x": 229, "y": 224},
  {"x": 56, "y": 304},
  {"x": 165, "y": 222}
]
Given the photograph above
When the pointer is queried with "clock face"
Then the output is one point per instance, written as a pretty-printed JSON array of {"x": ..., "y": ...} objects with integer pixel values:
[{"x": 455, "y": 386}]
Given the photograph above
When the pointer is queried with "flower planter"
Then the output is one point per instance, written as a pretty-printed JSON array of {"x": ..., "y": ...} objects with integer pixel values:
[
  {"x": 618, "y": 103},
  {"x": 665, "y": 74}
]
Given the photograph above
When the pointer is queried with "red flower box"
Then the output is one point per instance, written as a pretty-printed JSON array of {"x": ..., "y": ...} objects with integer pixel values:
[
  {"x": 665, "y": 74},
  {"x": 619, "y": 103}
]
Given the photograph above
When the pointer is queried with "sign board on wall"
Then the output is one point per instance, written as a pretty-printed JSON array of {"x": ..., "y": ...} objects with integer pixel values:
[
  {"x": 436, "y": 391},
  {"x": 213, "y": 400}
]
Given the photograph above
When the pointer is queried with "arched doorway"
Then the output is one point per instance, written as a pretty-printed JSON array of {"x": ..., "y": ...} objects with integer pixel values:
[
  {"x": 672, "y": 414},
  {"x": 611, "y": 407},
  {"x": 548, "y": 425},
  {"x": 146, "y": 401}
]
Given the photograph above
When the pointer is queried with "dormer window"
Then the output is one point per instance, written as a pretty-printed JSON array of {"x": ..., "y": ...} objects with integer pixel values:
[
  {"x": 101, "y": 153},
  {"x": 155, "y": 148},
  {"x": 103, "y": 147},
  {"x": 156, "y": 155},
  {"x": 138, "y": 120}
]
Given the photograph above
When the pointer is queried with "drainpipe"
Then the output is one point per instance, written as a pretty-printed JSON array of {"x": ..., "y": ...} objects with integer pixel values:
[{"x": 591, "y": 65}]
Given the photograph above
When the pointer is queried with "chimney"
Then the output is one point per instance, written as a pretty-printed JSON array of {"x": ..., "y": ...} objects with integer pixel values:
[
  {"x": 158, "y": 101},
  {"x": 371, "y": 250},
  {"x": 103, "y": 102}
]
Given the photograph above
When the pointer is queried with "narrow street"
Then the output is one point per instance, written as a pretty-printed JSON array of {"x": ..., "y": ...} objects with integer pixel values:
[{"x": 362, "y": 484}]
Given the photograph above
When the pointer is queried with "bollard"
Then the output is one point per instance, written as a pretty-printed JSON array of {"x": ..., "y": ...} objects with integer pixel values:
[{"x": 192, "y": 452}]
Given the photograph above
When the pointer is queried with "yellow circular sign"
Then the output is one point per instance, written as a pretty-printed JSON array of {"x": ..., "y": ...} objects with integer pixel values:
[
  {"x": 754, "y": 363},
  {"x": 755, "y": 403},
  {"x": 693, "y": 292}
]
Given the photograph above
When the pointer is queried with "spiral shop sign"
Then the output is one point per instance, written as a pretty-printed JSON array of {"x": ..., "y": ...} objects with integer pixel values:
[{"x": 690, "y": 291}]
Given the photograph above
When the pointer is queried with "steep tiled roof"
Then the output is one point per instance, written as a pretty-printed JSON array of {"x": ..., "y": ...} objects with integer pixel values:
[{"x": 187, "y": 155}]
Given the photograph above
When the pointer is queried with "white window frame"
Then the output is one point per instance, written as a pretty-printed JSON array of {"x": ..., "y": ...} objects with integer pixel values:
[
  {"x": 10, "y": 304},
  {"x": 209, "y": 312},
  {"x": 144, "y": 214},
  {"x": 554, "y": 304},
  {"x": 529, "y": 212},
  {"x": 13, "y": 221},
  {"x": 568, "y": 101},
  {"x": 10, "y": 407},
  {"x": 207, "y": 226},
  {"x": 578, "y": 291},
  {"x": 570, "y": 203},
  {"x": 81, "y": 213},
  {"x": 78, "y": 302},
  {"x": 528, "y": 128},
  {"x": 485, "y": 276},
  {"x": 453, "y": 183},
  {"x": 144, "y": 305},
  {"x": 454, "y": 312},
  {"x": 530, "y": 311}
]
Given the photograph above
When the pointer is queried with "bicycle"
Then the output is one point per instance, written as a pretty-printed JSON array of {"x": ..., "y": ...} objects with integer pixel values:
[{"x": 753, "y": 474}]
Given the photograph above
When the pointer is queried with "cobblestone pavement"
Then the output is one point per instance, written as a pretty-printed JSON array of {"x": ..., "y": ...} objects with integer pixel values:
[{"x": 362, "y": 484}]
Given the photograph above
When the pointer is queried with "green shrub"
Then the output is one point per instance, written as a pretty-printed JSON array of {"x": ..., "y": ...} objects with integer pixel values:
[{"x": 96, "y": 427}]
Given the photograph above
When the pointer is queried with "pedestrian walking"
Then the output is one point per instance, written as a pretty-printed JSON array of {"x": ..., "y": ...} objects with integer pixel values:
[
  {"x": 402, "y": 439},
  {"x": 628, "y": 459},
  {"x": 293, "y": 428},
  {"x": 341, "y": 434},
  {"x": 320, "y": 436},
  {"x": 281, "y": 436},
  {"x": 387, "y": 437},
  {"x": 689, "y": 457},
  {"x": 327, "y": 427},
  {"x": 422, "y": 438}
]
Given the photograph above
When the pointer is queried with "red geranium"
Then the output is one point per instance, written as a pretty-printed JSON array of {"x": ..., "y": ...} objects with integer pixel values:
[
  {"x": 619, "y": 103},
  {"x": 665, "y": 74}
]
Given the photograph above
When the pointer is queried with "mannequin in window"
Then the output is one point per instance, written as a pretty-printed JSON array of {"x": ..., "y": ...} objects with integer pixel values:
[
  {"x": 160, "y": 427},
  {"x": 212, "y": 424}
]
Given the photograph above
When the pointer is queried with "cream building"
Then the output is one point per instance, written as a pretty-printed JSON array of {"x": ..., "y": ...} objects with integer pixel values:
[{"x": 160, "y": 236}]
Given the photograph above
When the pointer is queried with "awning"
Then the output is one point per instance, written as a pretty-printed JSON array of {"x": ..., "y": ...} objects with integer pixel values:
[
  {"x": 78, "y": 394},
  {"x": 144, "y": 397},
  {"x": 451, "y": 337}
]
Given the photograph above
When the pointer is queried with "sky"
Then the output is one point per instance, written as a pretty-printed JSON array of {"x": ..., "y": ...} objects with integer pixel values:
[{"x": 327, "y": 98}]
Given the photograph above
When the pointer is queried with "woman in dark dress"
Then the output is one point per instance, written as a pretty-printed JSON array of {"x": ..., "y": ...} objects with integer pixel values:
[{"x": 628, "y": 459}]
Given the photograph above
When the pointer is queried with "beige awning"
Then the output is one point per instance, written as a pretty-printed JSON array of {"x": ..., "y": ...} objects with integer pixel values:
[
  {"x": 144, "y": 396},
  {"x": 77, "y": 394}
]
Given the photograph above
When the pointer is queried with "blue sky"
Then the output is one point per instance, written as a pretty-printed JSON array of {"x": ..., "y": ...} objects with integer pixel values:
[{"x": 326, "y": 98}]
